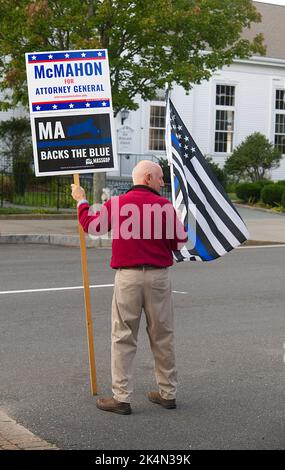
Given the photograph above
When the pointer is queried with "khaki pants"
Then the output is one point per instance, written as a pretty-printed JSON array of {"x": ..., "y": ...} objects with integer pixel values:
[{"x": 137, "y": 289}]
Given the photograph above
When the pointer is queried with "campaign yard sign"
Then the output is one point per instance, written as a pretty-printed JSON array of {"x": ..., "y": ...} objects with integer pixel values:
[{"x": 71, "y": 112}]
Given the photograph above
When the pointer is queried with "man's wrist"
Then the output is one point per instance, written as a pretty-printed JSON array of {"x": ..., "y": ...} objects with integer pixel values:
[{"x": 82, "y": 201}]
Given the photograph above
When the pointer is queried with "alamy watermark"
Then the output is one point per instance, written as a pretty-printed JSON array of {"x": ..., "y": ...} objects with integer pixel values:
[{"x": 118, "y": 220}]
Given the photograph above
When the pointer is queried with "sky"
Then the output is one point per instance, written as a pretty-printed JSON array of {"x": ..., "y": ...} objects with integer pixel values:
[{"x": 275, "y": 2}]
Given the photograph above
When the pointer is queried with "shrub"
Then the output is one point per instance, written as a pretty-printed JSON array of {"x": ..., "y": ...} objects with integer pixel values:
[
  {"x": 6, "y": 187},
  {"x": 163, "y": 162},
  {"x": 272, "y": 194},
  {"x": 248, "y": 192},
  {"x": 283, "y": 199},
  {"x": 218, "y": 171},
  {"x": 231, "y": 187},
  {"x": 65, "y": 199},
  {"x": 253, "y": 158},
  {"x": 264, "y": 182},
  {"x": 22, "y": 175}
]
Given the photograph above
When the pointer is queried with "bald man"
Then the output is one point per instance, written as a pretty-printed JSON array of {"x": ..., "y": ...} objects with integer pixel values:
[{"x": 145, "y": 232}]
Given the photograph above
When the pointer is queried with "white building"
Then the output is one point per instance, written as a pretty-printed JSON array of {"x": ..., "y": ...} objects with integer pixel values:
[{"x": 245, "y": 97}]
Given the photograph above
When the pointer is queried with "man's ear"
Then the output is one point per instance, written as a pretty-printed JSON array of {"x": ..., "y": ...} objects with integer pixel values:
[{"x": 147, "y": 177}]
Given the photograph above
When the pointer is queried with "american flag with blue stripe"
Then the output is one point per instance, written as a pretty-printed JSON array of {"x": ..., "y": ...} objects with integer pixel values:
[{"x": 213, "y": 224}]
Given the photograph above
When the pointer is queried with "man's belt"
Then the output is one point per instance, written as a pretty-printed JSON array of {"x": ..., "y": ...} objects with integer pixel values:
[{"x": 144, "y": 266}]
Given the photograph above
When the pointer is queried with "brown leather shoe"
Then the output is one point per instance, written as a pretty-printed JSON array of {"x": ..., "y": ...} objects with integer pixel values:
[
  {"x": 115, "y": 406},
  {"x": 155, "y": 397}
]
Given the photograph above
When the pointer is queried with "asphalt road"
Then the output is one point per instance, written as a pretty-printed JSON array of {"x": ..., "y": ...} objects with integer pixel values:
[{"x": 230, "y": 335}]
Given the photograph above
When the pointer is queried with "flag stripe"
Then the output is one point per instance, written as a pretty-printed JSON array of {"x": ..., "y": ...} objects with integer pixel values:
[
  {"x": 197, "y": 247},
  {"x": 201, "y": 168},
  {"x": 233, "y": 234},
  {"x": 229, "y": 209},
  {"x": 182, "y": 197},
  {"x": 197, "y": 197},
  {"x": 216, "y": 223},
  {"x": 180, "y": 255},
  {"x": 219, "y": 227},
  {"x": 203, "y": 228},
  {"x": 199, "y": 235},
  {"x": 230, "y": 229},
  {"x": 227, "y": 235},
  {"x": 217, "y": 184}
]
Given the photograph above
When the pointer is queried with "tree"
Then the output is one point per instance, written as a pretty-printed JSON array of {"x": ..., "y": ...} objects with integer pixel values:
[
  {"x": 218, "y": 171},
  {"x": 15, "y": 134},
  {"x": 16, "y": 148},
  {"x": 163, "y": 162},
  {"x": 252, "y": 159},
  {"x": 149, "y": 43}
]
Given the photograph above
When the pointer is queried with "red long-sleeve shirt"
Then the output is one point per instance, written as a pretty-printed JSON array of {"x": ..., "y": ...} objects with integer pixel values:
[{"x": 144, "y": 224}]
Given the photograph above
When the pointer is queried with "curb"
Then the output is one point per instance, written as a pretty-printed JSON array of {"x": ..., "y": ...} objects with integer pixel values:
[
  {"x": 38, "y": 216},
  {"x": 260, "y": 243},
  {"x": 260, "y": 209},
  {"x": 56, "y": 239},
  {"x": 14, "y": 436},
  {"x": 73, "y": 240}
]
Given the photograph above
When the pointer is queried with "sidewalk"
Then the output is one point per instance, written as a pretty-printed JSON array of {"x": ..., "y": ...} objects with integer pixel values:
[
  {"x": 14, "y": 436},
  {"x": 45, "y": 230},
  {"x": 263, "y": 226}
]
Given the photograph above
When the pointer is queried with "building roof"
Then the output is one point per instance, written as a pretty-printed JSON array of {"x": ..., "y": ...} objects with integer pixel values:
[{"x": 272, "y": 27}]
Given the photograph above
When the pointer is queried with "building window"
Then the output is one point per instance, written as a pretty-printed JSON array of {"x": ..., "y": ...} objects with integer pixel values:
[
  {"x": 157, "y": 128},
  {"x": 225, "y": 95},
  {"x": 279, "y": 138},
  {"x": 225, "y": 115},
  {"x": 280, "y": 99}
]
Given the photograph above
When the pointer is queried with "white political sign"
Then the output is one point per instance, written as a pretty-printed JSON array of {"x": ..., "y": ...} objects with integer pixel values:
[{"x": 71, "y": 112}]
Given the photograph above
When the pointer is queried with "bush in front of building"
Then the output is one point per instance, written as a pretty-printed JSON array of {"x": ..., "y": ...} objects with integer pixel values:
[
  {"x": 16, "y": 148},
  {"x": 248, "y": 192},
  {"x": 272, "y": 194},
  {"x": 253, "y": 159},
  {"x": 283, "y": 200},
  {"x": 6, "y": 187},
  {"x": 22, "y": 174},
  {"x": 163, "y": 162},
  {"x": 218, "y": 171}
]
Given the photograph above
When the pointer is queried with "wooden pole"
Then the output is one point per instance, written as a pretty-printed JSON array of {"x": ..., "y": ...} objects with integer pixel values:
[{"x": 87, "y": 301}]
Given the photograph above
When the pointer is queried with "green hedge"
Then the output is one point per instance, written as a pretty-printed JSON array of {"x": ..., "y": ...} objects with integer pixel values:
[
  {"x": 272, "y": 194},
  {"x": 248, "y": 192},
  {"x": 282, "y": 182},
  {"x": 6, "y": 187},
  {"x": 283, "y": 199}
]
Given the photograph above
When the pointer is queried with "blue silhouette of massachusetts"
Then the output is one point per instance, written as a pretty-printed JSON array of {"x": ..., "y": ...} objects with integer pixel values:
[
  {"x": 76, "y": 130},
  {"x": 85, "y": 127}
]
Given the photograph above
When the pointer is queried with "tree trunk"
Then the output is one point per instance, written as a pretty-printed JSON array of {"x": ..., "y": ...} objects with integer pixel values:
[{"x": 99, "y": 182}]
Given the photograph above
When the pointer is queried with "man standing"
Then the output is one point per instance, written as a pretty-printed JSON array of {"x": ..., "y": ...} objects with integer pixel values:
[{"x": 142, "y": 258}]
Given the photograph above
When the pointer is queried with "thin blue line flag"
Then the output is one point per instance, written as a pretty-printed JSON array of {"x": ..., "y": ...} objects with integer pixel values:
[{"x": 213, "y": 224}]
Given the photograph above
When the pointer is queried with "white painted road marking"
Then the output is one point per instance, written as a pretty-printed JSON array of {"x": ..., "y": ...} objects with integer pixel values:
[
  {"x": 179, "y": 292},
  {"x": 259, "y": 246},
  {"x": 52, "y": 289}
]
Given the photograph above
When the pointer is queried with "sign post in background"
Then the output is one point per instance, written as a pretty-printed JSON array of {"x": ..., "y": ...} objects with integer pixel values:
[{"x": 72, "y": 129}]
